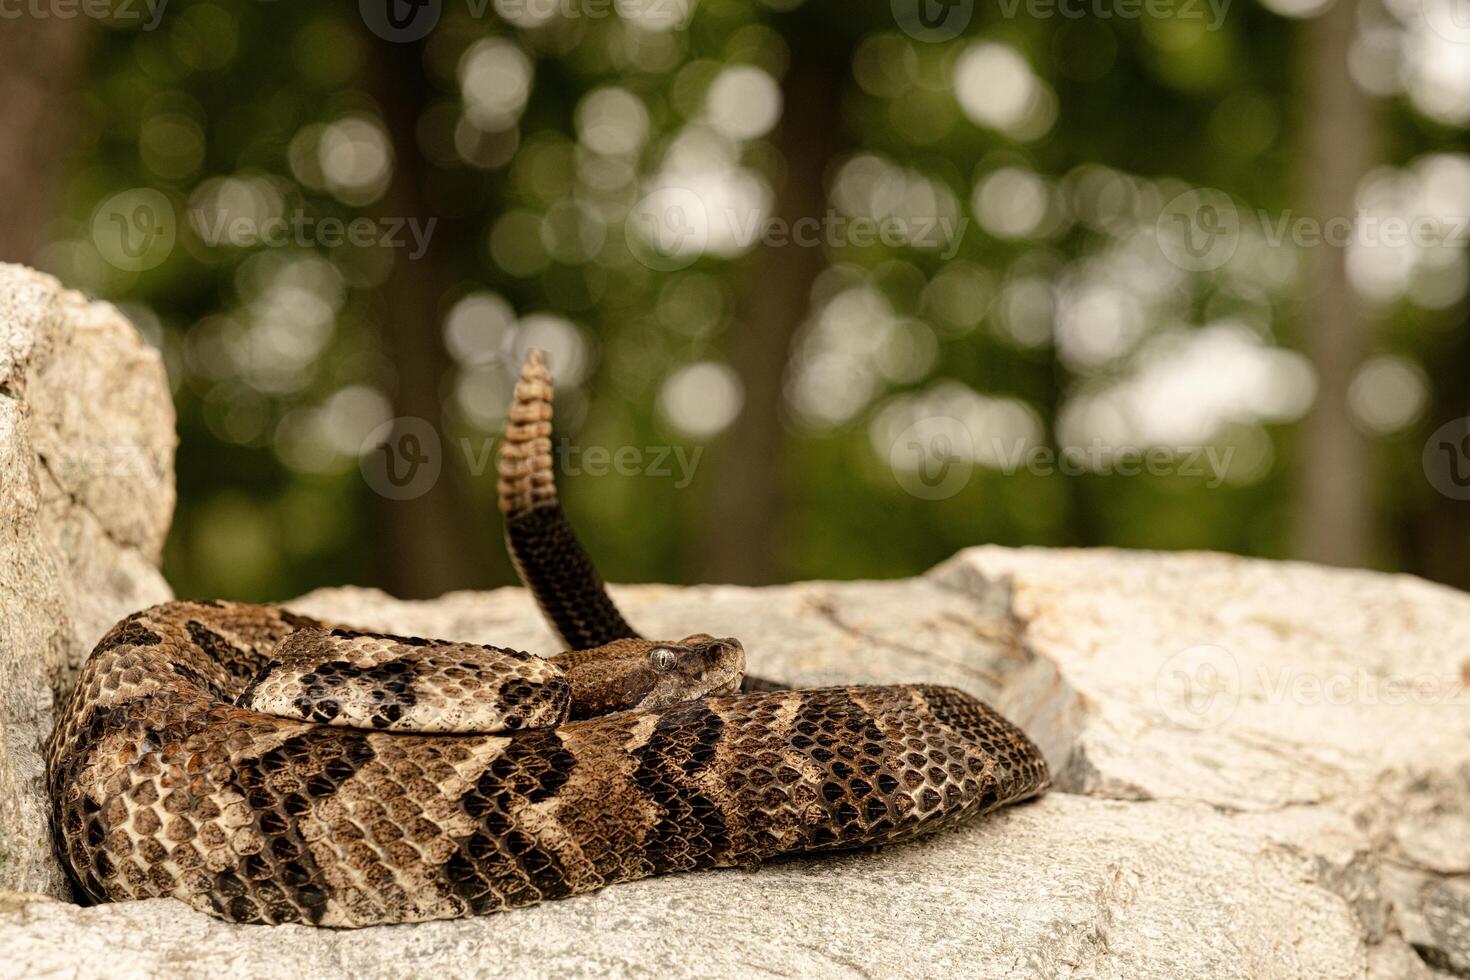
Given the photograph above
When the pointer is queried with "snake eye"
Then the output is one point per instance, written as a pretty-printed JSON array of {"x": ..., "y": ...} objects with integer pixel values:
[{"x": 662, "y": 659}]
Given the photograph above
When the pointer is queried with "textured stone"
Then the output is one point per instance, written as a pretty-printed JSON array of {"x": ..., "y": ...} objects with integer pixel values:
[
  {"x": 86, "y": 493},
  {"x": 1068, "y": 886},
  {"x": 1249, "y": 684},
  {"x": 1263, "y": 768}
]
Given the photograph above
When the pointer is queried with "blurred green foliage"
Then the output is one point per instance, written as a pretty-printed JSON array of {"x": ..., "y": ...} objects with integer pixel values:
[{"x": 530, "y": 132}]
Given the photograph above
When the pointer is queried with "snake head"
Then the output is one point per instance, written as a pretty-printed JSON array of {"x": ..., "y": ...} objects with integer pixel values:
[{"x": 636, "y": 673}]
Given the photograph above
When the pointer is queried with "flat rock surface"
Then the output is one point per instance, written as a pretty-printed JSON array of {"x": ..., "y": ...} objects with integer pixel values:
[
  {"x": 1262, "y": 769},
  {"x": 1333, "y": 852},
  {"x": 1172, "y": 891}
]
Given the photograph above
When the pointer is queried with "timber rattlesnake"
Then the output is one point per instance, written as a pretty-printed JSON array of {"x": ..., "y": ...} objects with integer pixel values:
[{"x": 267, "y": 767}]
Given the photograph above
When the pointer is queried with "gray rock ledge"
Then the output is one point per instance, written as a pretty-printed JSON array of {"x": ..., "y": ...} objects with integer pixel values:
[{"x": 1263, "y": 769}]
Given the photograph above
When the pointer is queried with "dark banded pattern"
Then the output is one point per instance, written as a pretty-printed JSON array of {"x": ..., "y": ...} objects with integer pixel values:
[
  {"x": 164, "y": 787},
  {"x": 268, "y": 767}
]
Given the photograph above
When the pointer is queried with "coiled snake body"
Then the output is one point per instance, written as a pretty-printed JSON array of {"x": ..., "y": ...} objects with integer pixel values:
[{"x": 266, "y": 767}]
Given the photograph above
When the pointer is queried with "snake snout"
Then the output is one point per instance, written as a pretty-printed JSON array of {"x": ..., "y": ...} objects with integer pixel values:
[{"x": 724, "y": 663}]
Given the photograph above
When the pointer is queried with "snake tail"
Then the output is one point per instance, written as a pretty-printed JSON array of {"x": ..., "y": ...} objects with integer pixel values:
[{"x": 542, "y": 544}]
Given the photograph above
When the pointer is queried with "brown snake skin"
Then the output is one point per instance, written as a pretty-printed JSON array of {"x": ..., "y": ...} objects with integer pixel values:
[
  {"x": 542, "y": 544},
  {"x": 398, "y": 779},
  {"x": 544, "y": 548}
]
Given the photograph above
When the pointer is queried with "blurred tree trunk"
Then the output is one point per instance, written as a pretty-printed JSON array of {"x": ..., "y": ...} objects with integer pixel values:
[
  {"x": 432, "y": 543},
  {"x": 1434, "y": 537},
  {"x": 1332, "y": 509},
  {"x": 742, "y": 537},
  {"x": 40, "y": 71}
]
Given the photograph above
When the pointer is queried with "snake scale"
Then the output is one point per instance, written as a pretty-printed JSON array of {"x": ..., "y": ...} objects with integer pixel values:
[{"x": 266, "y": 767}]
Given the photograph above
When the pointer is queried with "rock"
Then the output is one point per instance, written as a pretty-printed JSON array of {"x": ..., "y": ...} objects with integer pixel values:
[
  {"x": 1130, "y": 869},
  {"x": 1068, "y": 886},
  {"x": 86, "y": 493},
  {"x": 1262, "y": 768}
]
